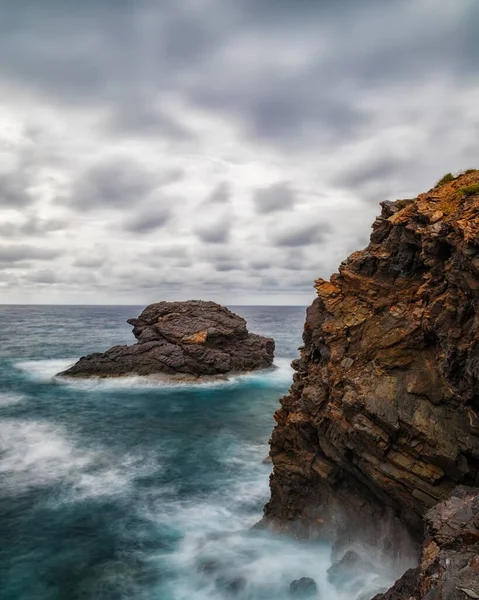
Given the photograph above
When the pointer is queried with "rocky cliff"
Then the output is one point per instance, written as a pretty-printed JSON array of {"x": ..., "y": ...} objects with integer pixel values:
[
  {"x": 382, "y": 420},
  {"x": 182, "y": 340}
]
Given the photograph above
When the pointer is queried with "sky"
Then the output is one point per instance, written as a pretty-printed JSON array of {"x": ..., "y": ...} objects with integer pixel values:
[{"x": 228, "y": 150}]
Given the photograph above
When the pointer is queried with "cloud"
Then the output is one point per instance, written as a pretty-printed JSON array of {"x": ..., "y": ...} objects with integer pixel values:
[
  {"x": 13, "y": 191},
  {"x": 89, "y": 262},
  {"x": 221, "y": 194},
  {"x": 148, "y": 221},
  {"x": 278, "y": 196},
  {"x": 144, "y": 141},
  {"x": 304, "y": 234},
  {"x": 20, "y": 252},
  {"x": 113, "y": 183},
  {"x": 214, "y": 231}
]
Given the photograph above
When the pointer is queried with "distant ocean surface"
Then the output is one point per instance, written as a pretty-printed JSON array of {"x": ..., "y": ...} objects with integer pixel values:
[{"x": 128, "y": 489}]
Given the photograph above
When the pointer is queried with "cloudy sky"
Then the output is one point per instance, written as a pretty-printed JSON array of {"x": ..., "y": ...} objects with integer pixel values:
[{"x": 232, "y": 150}]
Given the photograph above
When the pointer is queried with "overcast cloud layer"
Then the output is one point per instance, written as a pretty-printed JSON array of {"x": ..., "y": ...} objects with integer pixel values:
[{"x": 232, "y": 150}]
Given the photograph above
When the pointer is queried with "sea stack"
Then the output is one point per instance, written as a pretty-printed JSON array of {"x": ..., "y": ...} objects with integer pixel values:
[
  {"x": 382, "y": 421},
  {"x": 182, "y": 340}
]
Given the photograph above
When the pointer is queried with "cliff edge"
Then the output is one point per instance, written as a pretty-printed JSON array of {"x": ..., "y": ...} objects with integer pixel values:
[{"x": 382, "y": 420}]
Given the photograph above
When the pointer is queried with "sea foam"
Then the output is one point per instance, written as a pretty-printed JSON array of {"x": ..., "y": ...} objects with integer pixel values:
[{"x": 46, "y": 370}]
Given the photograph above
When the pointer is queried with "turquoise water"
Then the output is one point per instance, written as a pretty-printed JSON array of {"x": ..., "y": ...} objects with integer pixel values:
[{"x": 128, "y": 489}]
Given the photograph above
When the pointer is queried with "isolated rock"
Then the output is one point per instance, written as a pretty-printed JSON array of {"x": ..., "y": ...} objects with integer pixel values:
[
  {"x": 382, "y": 420},
  {"x": 183, "y": 340}
]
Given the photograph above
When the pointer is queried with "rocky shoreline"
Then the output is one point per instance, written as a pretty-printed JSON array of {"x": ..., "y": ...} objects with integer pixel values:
[
  {"x": 381, "y": 424},
  {"x": 192, "y": 341}
]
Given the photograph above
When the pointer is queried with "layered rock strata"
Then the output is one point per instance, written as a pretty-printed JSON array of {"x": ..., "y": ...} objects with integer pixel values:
[
  {"x": 182, "y": 340},
  {"x": 382, "y": 419}
]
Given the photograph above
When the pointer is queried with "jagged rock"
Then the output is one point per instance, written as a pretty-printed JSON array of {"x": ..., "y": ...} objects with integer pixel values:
[
  {"x": 383, "y": 416},
  {"x": 449, "y": 567},
  {"x": 404, "y": 588},
  {"x": 303, "y": 588},
  {"x": 182, "y": 339}
]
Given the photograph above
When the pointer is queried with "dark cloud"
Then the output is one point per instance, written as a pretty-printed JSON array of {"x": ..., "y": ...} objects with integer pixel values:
[
  {"x": 19, "y": 252},
  {"x": 114, "y": 183},
  {"x": 148, "y": 221},
  {"x": 278, "y": 196},
  {"x": 301, "y": 235},
  {"x": 221, "y": 194},
  {"x": 225, "y": 266},
  {"x": 13, "y": 190},
  {"x": 33, "y": 226},
  {"x": 214, "y": 232},
  {"x": 259, "y": 265}
]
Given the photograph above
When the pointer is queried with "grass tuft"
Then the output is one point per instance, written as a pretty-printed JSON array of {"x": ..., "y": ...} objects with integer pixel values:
[
  {"x": 446, "y": 179},
  {"x": 469, "y": 190}
]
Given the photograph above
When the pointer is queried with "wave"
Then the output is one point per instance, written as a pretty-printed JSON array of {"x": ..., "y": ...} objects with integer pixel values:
[
  {"x": 10, "y": 398},
  {"x": 36, "y": 454},
  {"x": 46, "y": 370}
]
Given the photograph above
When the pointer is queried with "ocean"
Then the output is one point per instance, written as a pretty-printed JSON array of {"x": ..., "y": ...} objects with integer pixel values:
[{"x": 128, "y": 489}]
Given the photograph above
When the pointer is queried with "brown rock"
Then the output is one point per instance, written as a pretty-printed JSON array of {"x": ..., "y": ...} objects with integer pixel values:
[
  {"x": 182, "y": 340},
  {"x": 383, "y": 415}
]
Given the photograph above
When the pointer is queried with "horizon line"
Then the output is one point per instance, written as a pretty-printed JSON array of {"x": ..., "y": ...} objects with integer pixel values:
[{"x": 126, "y": 305}]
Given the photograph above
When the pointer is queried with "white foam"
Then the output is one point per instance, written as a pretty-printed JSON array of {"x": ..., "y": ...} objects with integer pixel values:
[
  {"x": 216, "y": 532},
  {"x": 10, "y": 398},
  {"x": 45, "y": 370},
  {"x": 36, "y": 454}
]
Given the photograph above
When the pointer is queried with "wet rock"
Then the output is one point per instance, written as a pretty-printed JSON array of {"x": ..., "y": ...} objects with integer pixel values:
[
  {"x": 183, "y": 341},
  {"x": 348, "y": 567},
  {"x": 303, "y": 588},
  {"x": 232, "y": 587},
  {"x": 403, "y": 589},
  {"x": 382, "y": 420},
  {"x": 449, "y": 567}
]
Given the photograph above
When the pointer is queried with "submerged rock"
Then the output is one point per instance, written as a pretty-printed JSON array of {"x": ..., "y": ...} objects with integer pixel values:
[
  {"x": 303, "y": 588},
  {"x": 348, "y": 567},
  {"x": 182, "y": 340}
]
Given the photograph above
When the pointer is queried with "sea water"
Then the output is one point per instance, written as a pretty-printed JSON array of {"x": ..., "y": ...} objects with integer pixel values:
[{"x": 131, "y": 489}]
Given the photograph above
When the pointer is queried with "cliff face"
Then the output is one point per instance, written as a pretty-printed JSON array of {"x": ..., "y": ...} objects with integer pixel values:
[{"x": 383, "y": 415}]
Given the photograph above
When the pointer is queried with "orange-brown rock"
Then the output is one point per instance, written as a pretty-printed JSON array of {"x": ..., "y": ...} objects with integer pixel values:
[{"x": 383, "y": 415}]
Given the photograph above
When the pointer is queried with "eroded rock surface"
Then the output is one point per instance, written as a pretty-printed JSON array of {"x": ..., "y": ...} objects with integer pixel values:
[
  {"x": 450, "y": 557},
  {"x": 182, "y": 339},
  {"x": 382, "y": 420}
]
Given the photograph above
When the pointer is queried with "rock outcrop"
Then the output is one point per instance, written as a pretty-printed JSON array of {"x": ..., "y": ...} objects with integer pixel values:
[
  {"x": 183, "y": 340},
  {"x": 382, "y": 420},
  {"x": 450, "y": 557}
]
